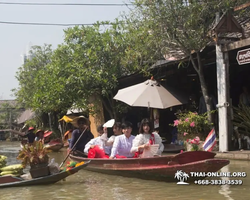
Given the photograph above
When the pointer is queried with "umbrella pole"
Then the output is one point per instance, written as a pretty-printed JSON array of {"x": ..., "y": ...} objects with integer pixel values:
[
  {"x": 151, "y": 117},
  {"x": 149, "y": 111}
]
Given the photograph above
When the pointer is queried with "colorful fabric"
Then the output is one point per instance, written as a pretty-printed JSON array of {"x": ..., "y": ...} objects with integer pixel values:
[
  {"x": 97, "y": 152},
  {"x": 210, "y": 141},
  {"x": 152, "y": 139},
  {"x": 117, "y": 156},
  {"x": 97, "y": 141}
]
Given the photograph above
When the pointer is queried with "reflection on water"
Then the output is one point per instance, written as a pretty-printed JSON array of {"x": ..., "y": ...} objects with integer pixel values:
[
  {"x": 225, "y": 189},
  {"x": 86, "y": 185}
]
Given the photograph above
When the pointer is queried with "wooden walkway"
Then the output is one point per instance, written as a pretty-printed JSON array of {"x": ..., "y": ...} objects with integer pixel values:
[{"x": 234, "y": 155}]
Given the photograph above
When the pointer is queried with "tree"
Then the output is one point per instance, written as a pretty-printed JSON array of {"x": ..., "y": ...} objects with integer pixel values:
[
  {"x": 174, "y": 28},
  {"x": 81, "y": 72},
  {"x": 35, "y": 83},
  {"x": 29, "y": 75},
  {"x": 96, "y": 56}
]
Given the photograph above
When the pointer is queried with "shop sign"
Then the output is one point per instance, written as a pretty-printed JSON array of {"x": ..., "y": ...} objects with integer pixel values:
[{"x": 243, "y": 56}]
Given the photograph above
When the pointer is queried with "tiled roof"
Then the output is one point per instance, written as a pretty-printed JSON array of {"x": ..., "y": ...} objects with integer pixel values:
[{"x": 244, "y": 20}]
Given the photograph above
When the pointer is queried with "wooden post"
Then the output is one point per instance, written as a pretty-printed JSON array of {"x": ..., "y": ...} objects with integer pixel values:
[
  {"x": 10, "y": 123},
  {"x": 222, "y": 100},
  {"x": 222, "y": 94},
  {"x": 228, "y": 99}
]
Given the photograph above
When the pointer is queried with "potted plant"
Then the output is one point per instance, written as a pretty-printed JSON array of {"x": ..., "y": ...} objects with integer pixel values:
[
  {"x": 192, "y": 129},
  {"x": 37, "y": 157}
]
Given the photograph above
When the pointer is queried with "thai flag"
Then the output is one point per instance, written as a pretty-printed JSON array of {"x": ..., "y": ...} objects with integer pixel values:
[{"x": 210, "y": 141}]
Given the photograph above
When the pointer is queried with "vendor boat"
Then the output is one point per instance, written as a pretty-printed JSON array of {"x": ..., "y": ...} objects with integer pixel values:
[
  {"x": 10, "y": 181},
  {"x": 54, "y": 145},
  {"x": 162, "y": 168}
]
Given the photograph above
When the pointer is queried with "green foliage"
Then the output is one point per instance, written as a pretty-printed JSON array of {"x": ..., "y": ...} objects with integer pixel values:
[
  {"x": 97, "y": 56},
  {"x": 83, "y": 71},
  {"x": 33, "y": 154},
  {"x": 172, "y": 30},
  {"x": 32, "y": 86},
  {"x": 171, "y": 25},
  {"x": 242, "y": 118},
  {"x": 190, "y": 125}
]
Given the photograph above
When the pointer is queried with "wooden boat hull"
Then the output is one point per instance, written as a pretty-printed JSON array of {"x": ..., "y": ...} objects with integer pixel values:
[
  {"x": 54, "y": 146},
  {"x": 9, "y": 181},
  {"x": 158, "y": 168},
  {"x": 172, "y": 148}
]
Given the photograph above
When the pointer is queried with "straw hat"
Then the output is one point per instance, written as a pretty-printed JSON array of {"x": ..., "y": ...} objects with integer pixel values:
[
  {"x": 38, "y": 131},
  {"x": 75, "y": 120},
  {"x": 31, "y": 128},
  {"x": 47, "y": 133}
]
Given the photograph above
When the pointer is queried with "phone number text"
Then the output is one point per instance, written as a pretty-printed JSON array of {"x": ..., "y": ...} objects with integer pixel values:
[{"x": 218, "y": 182}]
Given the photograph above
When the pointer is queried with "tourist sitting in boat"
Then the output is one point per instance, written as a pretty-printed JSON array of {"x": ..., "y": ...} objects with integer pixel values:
[
  {"x": 68, "y": 134},
  {"x": 39, "y": 135},
  {"x": 67, "y": 137},
  {"x": 82, "y": 124},
  {"x": 46, "y": 136},
  {"x": 96, "y": 148},
  {"x": 123, "y": 143},
  {"x": 117, "y": 130},
  {"x": 146, "y": 138},
  {"x": 30, "y": 135}
]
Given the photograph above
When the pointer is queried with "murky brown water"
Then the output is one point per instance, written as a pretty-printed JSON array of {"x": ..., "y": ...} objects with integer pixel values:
[{"x": 86, "y": 185}]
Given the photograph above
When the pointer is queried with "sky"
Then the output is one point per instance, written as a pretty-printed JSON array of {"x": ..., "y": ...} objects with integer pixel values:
[{"x": 16, "y": 39}]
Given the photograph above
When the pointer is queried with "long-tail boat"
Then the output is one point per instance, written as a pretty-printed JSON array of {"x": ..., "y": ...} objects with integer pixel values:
[
  {"x": 54, "y": 145},
  {"x": 162, "y": 168},
  {"x": 11, "y": 181}
]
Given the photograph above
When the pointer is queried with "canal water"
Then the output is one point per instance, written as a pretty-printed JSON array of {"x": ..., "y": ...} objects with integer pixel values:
[{"x": 87, "y": 185}]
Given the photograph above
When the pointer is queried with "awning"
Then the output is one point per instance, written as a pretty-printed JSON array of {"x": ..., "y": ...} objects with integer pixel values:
[
  {"x": 73, "y": 119},
  {"x": 74, "y": 111},
  {"x": 25, "y": 116},
  {"x": 67, "y": 119}
]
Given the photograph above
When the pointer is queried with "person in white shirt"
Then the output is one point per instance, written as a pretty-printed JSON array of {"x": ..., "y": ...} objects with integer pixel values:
[
  {"x": 117, "y": 130},
  {"x": 123, "y": 143},
  {"x": 98, "y": 141},
  {"x": 146, "y": 138}
]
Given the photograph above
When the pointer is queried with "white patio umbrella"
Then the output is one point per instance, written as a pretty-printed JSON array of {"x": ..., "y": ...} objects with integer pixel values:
[{"x": 149, "y": 94}]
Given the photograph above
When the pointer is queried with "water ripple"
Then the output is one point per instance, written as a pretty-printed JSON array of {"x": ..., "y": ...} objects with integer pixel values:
[{"x": 87, "y": 185}]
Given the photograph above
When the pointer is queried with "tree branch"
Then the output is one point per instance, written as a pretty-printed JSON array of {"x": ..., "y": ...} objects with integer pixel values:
[
  {"x": 194, "y": 64},
  {"x": 107, "y": 108}
]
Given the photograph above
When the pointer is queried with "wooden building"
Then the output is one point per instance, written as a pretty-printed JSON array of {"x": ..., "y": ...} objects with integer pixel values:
[{"x": 224, "y": 75}]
